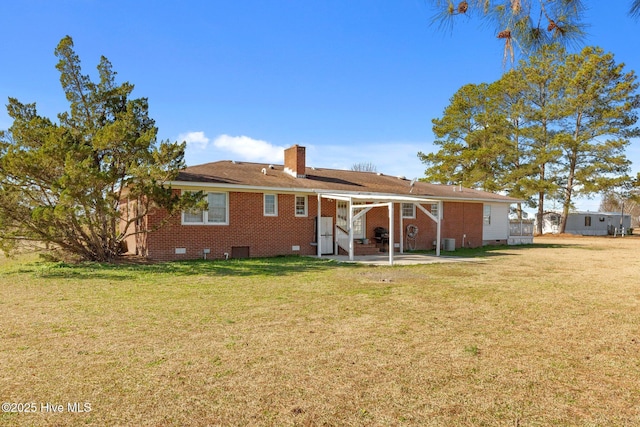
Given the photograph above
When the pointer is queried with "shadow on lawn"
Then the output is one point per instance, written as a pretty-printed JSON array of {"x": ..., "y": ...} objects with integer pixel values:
[
  {"x": 505, "y": 250},
  {"x": 267, "y": 267},
  {"x": 276, "y": 266}
]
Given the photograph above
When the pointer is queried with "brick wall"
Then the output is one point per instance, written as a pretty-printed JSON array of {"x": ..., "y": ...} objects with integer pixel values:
[
  {"x": 270, "y": 236},
  {"x": 459, "y": 219},
  {"x": 264, "y": 235},
  {"x": 462, "y": 219}
]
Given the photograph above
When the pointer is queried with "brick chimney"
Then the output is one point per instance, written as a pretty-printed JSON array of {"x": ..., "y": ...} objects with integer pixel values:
[{"x": 294, "y": 161}]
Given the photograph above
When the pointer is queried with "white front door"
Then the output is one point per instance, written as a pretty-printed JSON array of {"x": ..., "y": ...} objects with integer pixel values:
[{"x": 326, "y": 236}]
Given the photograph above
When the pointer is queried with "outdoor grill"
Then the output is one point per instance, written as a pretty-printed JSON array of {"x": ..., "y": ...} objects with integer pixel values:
[{"x": 381, "y": 235}]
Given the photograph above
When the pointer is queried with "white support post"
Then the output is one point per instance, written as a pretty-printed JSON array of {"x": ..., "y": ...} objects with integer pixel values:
[
  {"x": 401, "y": 231},
  {"x": 438, "y": 228},
  {"x": 391, "y": 240},
  {"x": 350, "y": 221},
  {"x": 319, "y": 228}
]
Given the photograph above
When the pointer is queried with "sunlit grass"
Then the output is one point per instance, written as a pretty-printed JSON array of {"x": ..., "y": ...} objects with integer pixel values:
[{"x": 538, "y": 335}]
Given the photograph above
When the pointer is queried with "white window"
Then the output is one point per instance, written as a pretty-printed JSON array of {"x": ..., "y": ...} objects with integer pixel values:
[
  {"x": 217, "y": 212},
  {"x": 270, "y": 205},
  {"x": 218, "y": 208},
  {"x": 486, "y": 217},
  {"x": 408, "y": 210},
  {"x": 301, "y": 206},
  {"x": 193, "y": 216},
  {"x": 359, "y": 225},
  {"x": 434, "y": 209},
  {"x": 341, "y": 214}
]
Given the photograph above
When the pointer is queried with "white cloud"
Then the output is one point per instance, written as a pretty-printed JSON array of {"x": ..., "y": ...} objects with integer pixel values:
[
  {"x": 250, "y": 149},
  {"x": 194, "y": 139}
]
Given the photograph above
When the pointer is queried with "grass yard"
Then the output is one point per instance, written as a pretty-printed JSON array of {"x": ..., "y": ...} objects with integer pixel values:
[{"x": 547, "y": 334}]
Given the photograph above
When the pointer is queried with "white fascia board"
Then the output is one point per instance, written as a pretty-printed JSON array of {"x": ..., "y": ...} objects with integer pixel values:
[
  {"x": 404, "y": 198},
  {"x": 188, "y": 184},
  {"x": 375, "y": 197},
  {"x": 480, "y": 199},
  {"x": 340, "y": 195},
  {"x": 345, "y": 195}
]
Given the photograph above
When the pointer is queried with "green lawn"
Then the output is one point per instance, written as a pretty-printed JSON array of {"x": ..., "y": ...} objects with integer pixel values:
[{"x": 547, "y": 334}]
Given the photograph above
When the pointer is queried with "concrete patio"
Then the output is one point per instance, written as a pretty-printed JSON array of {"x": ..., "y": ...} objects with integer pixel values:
[{"x": 401, "y": 259}]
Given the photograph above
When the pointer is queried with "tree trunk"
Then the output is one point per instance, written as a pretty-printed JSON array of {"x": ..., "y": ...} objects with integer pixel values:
[
  {"x": 540, "y": 215},
  {"x": 573, "y": 162},
  {"x": 566, "y": 203},
  {"x": 563, "y": 218}
]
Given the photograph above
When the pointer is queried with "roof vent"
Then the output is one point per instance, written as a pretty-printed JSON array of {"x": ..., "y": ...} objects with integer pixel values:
[
  {"x": 264, "y": 171},
  {"x": 402, "y": 177},
  {"x": 379, "y": 173},
  {"x": 271, "y": 167},
  {"x": 233, "y": 162}
]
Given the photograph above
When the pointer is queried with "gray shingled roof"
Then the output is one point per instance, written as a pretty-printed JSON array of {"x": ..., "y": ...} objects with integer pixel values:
[{"x": 246, "y": 174}]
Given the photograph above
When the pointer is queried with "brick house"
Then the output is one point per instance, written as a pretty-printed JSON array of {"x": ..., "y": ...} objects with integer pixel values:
[{"x": 257, "y": 210}]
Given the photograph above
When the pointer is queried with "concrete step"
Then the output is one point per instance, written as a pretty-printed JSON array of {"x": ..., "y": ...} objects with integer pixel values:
[{"x": 361, "y": 249}]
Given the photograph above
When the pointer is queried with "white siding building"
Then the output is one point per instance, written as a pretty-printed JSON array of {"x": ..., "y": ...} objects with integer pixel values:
[{"x": 495, "y": 224}]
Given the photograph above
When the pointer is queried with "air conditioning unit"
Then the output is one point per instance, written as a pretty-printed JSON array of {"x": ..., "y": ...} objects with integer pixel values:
[{"x": 449, "y": 245}]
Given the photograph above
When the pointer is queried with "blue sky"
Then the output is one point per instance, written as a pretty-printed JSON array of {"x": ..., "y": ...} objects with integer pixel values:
[{"x": 352, "y": 80}]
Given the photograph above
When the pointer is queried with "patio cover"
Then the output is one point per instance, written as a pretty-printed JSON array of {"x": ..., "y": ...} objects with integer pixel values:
[{"x": 370, "y": 201}]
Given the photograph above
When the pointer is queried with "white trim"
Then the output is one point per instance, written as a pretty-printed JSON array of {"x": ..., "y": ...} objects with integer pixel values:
[
  {"x": 392, "y": 244},
  {"x": 363, "y": 211},
  {"x": 319, "y": 227},
  {"x": 413, "y": 213},
  {"x": 350, "y": 229},
  {"x": 381, "y": 198},
  {"x": 205, "y": 213},
  {"x": 184, "y": 222},
  {"x": 306, "y": 205},
  {"x": 436, "y": 209},
  {"x": 427, "y": 213},
  {"x": 343, "y": 195},
  {"x": 486, "y": 219},
  {"x": 275, "y": 204},
  {"x": 402, "y": 228}
]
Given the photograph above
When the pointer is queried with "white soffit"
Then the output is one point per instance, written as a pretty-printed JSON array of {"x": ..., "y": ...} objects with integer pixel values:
[{"x": 377, "y": 198}]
